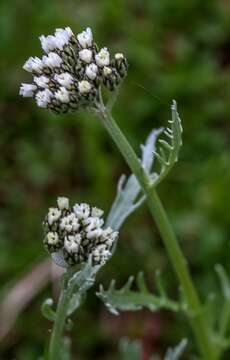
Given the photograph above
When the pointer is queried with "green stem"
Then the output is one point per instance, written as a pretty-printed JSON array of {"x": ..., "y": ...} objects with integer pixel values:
[
  {"x": 196, "y": 317},
  {"x": 56, "y": 336},
  {"x": 224, "y": 322},
  {"x": 225, "y": 316}
]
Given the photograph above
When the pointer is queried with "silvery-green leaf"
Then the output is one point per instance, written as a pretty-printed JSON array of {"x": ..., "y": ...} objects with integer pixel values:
[
  {"x": 176, "y": 353},
  {"x": 129, "y": 350},
  {"x": 125, "y": 299},
  {"x": 58, "y": 259},
  {"x": 128, "y": 191},
  {"x": 168, "y": 150},
  {"x": 47, "y": 310},
  {"x": 78, "y": 284}
]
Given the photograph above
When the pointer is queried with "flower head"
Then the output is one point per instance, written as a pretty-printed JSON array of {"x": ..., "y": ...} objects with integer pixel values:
[
  {"x": 78, "y": 232},
  {"x": 70, "y": 73}
]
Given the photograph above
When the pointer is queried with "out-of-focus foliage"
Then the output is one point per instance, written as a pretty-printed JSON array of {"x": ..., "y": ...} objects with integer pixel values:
[{"x": 176, "y": 50}]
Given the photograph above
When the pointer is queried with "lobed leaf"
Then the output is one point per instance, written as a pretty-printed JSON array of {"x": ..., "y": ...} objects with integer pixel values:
[
  {"x": 175, "y": 354},
  {"x": 169, "y": 147},
  {"x": 126, "y": 299}
]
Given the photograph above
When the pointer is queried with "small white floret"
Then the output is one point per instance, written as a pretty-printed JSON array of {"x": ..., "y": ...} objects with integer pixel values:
[
  {"x": 93, "y": 223},
  {"x": 69, "y": 31},
  {"x": 62, "y": 37},
  {"x": 85, "y": 38},
  {"x": 62, "y": 95},
  {"x": 63, "y": 202},
  {"x": 48, "y": 43},
  {"x": 101, "y": 254},
  {"x": 52, "y": 238},
  {"x": 42, "y": 81},
  {"x": 34, "y": 64},
  {"x": 86, "y": 55},
  {"x": 70, "y": 223},
  {"x": 93, "y": 227},
  {"x": 52, "y": 60},
  {"x": 82, "y": 211},
  {"x": 96, "y": 212},
  {"x": 53, "y": 215},
  {"x": 91, "y": 71},
  {"x": 107, "y": 71},
  {"x": 72, "y": 243},
  {"x": 43, "y": 98},
  {"x": 27, "y": 90},
  {"x": 84, "y": 87},
  {"x": 119, "y": 56},
  {"x": 64, "y": 79},
  {"x": 103, "y": 57}
]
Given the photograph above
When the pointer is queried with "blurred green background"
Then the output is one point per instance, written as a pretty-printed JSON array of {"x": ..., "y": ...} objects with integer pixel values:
[{"x": 176, "y": 50}]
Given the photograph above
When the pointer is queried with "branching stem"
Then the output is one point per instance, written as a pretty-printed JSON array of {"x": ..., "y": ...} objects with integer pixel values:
[{"x": 195, "y": 311}]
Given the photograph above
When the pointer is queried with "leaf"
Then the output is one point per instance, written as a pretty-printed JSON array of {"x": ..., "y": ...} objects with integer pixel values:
[
  {"x": 126, "y": 299},
  {"x": 169, "y": 147},
  {"x": 47, "y": 310},
  {"x": 129, "y": 350},
  {"x": 175, "y": 354},
  {"x": 58, "y": 258},
  {"x": 141, "y": 283},
  {"x": 224, "y": 281},
  {"x": 128, "y": 191},
  {"x": 159, "y": 283},
  {"x": 77, "y": 284}
]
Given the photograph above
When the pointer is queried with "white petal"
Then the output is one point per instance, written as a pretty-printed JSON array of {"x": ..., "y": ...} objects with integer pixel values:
[
  {"x": 63, "y": 202},
  {"x": 62, "y": 95},
  {"x": 91, "y": 71},
  {"x": 43, "y": 98},
  {"x": 52, "y": 60},
  {"x": 84, "y": 86},
  {"x": 42, "y": 81},
  {"x": 103, "y": 57},
  {"x": 27, "y": 90},
  {"x": 85, "y": 38},
  {"x": 64, "y": 79},
  {"x": 48, "y": 43},
  {"x": 86, "y": 55}
]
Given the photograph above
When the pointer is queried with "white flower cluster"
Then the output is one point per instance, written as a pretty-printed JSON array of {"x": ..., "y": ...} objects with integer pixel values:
[
  {"x": 70, "y": 73},
  {"x": 79, "y": 232}
]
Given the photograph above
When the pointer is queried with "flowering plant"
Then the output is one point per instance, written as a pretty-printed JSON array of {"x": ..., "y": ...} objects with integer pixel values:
[{"x": 71, "y": 76}]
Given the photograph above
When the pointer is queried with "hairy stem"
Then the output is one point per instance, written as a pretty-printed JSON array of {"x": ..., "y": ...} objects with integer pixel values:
[
  {"x": 56, "y": 336},
  {"x": 196, "y": 316}
]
